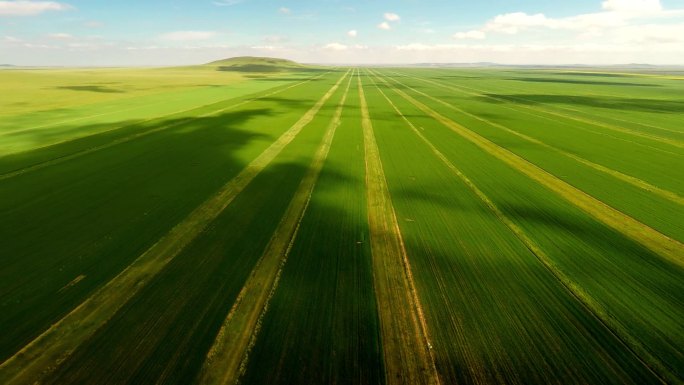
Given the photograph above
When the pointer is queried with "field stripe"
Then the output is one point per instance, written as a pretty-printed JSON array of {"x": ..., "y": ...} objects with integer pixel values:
[
  {"x": 668, "y": 248},
  {"x": 576, "y": 291},
  {"x": 228, "y": 355},
  {"x": 405, "y": 339},
  {"x": 669, "y": 195},
  {"x": 129, "y": 138},
  {"x": 461, "y": 88},
  {"x": 40, "y": 357}
]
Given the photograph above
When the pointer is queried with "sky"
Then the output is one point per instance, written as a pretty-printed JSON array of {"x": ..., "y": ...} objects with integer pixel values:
[{"x": 178, "y": 32}]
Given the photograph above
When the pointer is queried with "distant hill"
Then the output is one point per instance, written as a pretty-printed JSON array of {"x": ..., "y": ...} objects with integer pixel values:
[{"x": 257, "y": 64}]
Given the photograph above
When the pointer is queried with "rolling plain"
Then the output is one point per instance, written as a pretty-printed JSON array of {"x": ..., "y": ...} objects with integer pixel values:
[{"x": 257, "y": 221}]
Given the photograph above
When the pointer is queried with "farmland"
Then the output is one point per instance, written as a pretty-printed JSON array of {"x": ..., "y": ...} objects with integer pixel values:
[{"x": 259, "y": 221}]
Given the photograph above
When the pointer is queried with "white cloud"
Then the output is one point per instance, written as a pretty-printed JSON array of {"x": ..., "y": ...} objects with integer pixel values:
[
  {"x": 385, "y": 26},
  {"x": 188, "y": 35},
  {"x": 389, "y": 16},
  {"x": 60, "y": 36},
  {"x": 619, "y": 14},
  {"x": 336, "y": 47},
  {"x": 28, "y": 8},
  {"x": 632, "y": 5},
  {"x": 474, "y": 34},
  {"x": 285, "y": 11},
  {"x": 352, "y": 33},
  {"x": 513, "y": 23}
]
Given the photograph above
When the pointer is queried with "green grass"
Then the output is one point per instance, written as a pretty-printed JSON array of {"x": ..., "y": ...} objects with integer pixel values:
[{"x": 517, "y": 284}]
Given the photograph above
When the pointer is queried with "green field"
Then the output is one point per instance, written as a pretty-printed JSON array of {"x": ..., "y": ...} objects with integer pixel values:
[{"x": 259, "y": 221}]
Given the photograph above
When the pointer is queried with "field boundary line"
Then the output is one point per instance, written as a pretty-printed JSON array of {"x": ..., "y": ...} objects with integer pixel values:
[
  {"x": 228, "y": 355},
  {"x": 576, "y": 291},
  {"x": 668, "y": 248},
  {"x": 35, "y": 361},
  {"x": 407, "y": 352},
  {"x": 129, "y": 138},
  {"x": 656, "y": 138},
  {"x": 634, "y": 181}
]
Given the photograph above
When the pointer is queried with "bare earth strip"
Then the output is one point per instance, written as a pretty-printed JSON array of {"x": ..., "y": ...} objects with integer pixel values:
[
  {"x": 669, "y": 195},
  {"x": 39, "y": 358},
  {"x": 141, "y": 134},
  {"x": 229, "y": 352},
  {"x": 593, "y": 307},
  {"x": 657, "y": 242},
  {"x": 672, "y": 142},
  {"x": 405, "y": 339}
]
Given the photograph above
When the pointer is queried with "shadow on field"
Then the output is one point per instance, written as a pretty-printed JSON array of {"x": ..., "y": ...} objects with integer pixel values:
[
  {"x": 585, "y": 82},
  {"x": 324, "y": 299},
  {"x": 630, "y": 104},
  {"x": 112, "y": 134},
  {"x": 98, "y": 202},
  {"x": 101, "y": 89}
]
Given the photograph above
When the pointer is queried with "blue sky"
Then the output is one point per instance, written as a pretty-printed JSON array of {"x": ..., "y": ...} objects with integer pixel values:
[{"x": 154, "y": 32}]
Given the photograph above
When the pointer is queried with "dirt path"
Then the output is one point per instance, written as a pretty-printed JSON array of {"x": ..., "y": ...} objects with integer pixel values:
[{"x": 405, "y": 338}]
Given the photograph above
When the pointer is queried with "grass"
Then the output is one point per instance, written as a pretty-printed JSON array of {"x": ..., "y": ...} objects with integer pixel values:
[{"x": 434, "y": 225}]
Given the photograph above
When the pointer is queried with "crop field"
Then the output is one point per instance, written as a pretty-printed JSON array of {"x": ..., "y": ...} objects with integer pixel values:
[{"x": 262, "y": 222}]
